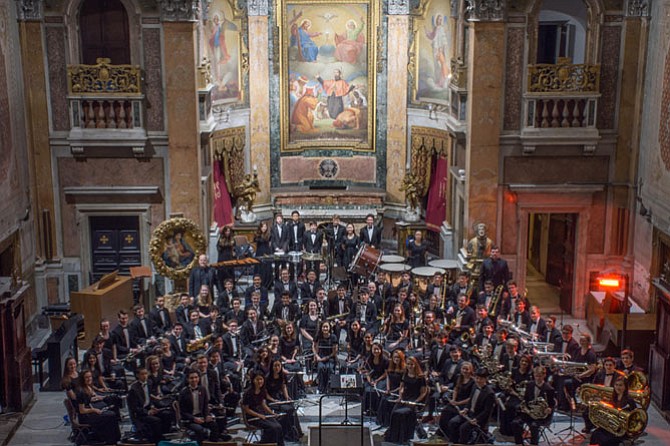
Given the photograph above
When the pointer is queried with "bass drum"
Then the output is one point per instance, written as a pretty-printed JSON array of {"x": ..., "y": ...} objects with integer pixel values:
[{"x": 366, "y": 261}]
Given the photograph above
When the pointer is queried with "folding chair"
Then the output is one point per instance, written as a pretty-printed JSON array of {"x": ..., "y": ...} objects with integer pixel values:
[
  {"x": 252, "y": 430},
  {"x": 80, "y": 433}
]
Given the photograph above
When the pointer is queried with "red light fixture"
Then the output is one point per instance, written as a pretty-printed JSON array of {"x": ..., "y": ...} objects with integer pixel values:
[{"x": 612, "y": 282}]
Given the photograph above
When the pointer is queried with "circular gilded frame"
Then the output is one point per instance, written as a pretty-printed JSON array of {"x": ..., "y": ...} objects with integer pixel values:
[{"x": 175, "y": 246}]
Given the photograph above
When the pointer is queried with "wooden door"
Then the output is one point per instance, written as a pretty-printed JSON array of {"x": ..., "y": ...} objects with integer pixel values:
[
  {"x": 561, "y": 256},
  {"x": 115, "y": 244}
]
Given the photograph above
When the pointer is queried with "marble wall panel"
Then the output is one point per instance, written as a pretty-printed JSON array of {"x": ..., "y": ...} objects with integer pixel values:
[
  {"x": 555, "y": 170},
  {"x": 597, "y": 224},
  {"x": 514, "y": 78},
  {"x": 609, "y": 76},
  {"x": 104, "y": 172},
  {"x": 153, "y": 72},
  {"x": 398, "y": 27},
  {"x": 259, "y": 98},
  {"x": 55, "y": 38},
  {"x": 359, "y": 169}
]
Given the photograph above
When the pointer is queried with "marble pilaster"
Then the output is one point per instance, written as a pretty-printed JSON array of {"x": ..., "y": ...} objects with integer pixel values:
[
  {"x": 37, "y": 113},
  {"x": 182, "y": 118},
  {"x": 396, "y": 155},
  {"x": 259, "y": 98},
  {"x": 484, "y": 122}
]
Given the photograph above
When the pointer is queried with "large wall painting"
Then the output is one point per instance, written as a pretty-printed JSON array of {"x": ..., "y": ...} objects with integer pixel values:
[
  {"x": 432, "y": 52},
  {"x": 223, "y": 47},
  {"x": 328, "y": 60}
]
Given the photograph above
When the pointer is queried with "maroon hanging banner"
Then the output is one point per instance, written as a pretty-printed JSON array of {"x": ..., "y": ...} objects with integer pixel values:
[
  {"x": 436, "y": 208},
  {"x": 223, "y": 208}
]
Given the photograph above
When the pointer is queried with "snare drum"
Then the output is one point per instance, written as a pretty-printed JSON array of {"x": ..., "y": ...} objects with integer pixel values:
[
  {"x": 423, "y": 275},
  {"x": 394, "y": 272},
  {"x": 366, "y": 261},
  {"x": 390, "y": 258},
  {"x": 294, "y": 256}
]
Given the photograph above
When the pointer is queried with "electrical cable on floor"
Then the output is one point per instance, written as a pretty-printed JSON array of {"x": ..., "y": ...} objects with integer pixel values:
[{"x": 41, "y": 428}]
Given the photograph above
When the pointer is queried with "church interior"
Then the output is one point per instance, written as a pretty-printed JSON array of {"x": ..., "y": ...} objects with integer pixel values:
[{"x": 132, "y": 132}]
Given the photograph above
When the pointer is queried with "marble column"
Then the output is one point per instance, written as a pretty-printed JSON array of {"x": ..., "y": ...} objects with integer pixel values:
[
  {"x": 37, "y": 114},
  {"x": 485, "y": 60},
  {"x": 396, "y": 90},
  {"x": 184, "y": 157},
  {"x": 259, "y": 96}
]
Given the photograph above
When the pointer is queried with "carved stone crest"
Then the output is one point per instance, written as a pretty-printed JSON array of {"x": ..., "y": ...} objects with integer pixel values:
[
  {"x": 29, "y": 10},
  {"x": 180, "y": 10},
  {"x": 328, "y": 168},
  {"x": 638, "y": 8},
  {"x": 398, "y": 7},
  {"x": 486, "y": 10}
]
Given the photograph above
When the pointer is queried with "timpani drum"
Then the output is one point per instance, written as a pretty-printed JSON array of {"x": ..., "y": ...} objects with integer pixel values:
[
  {"x": 366, "y": 261},
  {"x": 392, "y": 258},
  {"x": 294, "y": 257},
  {"x": 394, "y": 272},
  {"x": 423, "y": 275},
  {"x": 444, "y": 263}
]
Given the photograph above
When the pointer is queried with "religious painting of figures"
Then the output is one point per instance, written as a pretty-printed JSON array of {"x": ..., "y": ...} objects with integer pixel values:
[
  {"x": 432, "y": 49},
  {"x": 328, "y": 65},
  {"x": 222, "y": 46}
]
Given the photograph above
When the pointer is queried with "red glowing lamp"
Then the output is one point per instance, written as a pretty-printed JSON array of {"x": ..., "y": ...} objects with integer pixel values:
[{"x": 611, "y": 282}]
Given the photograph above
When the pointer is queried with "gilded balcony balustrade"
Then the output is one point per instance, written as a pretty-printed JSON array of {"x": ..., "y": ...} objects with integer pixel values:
[
  {"x": 562, "y": 95},
  {"x": 105, "y": 96}
]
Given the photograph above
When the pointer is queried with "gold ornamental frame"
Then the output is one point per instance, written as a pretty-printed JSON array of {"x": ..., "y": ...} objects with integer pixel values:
[
  {"x": 282, "y": 42},
  {"x": 175, "y": 246}
]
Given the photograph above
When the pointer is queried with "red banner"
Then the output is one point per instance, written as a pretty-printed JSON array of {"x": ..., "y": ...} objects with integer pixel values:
[
  {"x": 436, "y": 209},
  {"x": 223, "y": 208}
]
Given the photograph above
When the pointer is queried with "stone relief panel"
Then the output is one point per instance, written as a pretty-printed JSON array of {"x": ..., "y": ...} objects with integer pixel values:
[
  {"x": 664, "y": 123},
  {"x": 514, "y": 78},
  {"x": 609, "y": 76},
  {"x": 57, "y": 76},
  {"x": 153, "y": 72}
]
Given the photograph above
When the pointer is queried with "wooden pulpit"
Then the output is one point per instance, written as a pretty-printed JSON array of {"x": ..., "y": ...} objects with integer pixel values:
[{"x": 101, "y": 300}]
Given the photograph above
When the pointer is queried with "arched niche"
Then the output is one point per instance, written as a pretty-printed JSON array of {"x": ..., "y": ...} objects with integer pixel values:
[
  {"x": 72, "y": 18},
  {"x": 592, "y": 25}
]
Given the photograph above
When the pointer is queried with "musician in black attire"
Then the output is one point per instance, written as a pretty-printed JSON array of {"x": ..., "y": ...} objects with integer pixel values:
[
  {"x": 325, "y": 354},
  {"x": 309, "y": 287},
  {"x": 225, "y": 248},
  {"x": 465, "y": 317},
  {"x": 211, "y": 383},
  {"x": 341, "y": 305},
  {"x": 412, "y": 393},
  {"x": 257, "y": 411},
  {"x": 605, "y": 377},
  {"x": 460, "y": 428},
  {"x": 286, "y": 284},
  {"x": 264, "y": 251},
  {"x": 620, "y": 400},
  {"x": 257, "y": 287},
  {"x": 365, "y": 312},
  {"x": 284, "y": 310},
  {"x": 93, "y": 411},
  {"x": 280, "y": 241},
  {"x": 148, "y": 420},
  {"x": 236, "y": 312},
  {"x": 460, "y": 396},
  {"x": 276, "y": 386},
  {"x": 539, "y": 388},
  {"x": 512, "y": 399},
  {"x": 183, "y": 311},
  {"x": 122, "y": 339},
  {"x": 194, "y": 409},
  {"x": 231, "y": 352},
  {"x": 141, "y": 327},
  {"x": 201, "y": 275},
  {"x": 252, "y": 330},
  {"x": 178, "y": 342},
  {"x": 335, "y": 235},
  {"x": 626, "y": 364},
  {"x": 226, "y": 296},
  {"x": 312, "y": 242},
  {"x": 370, "y": 233},
  {"x": 296, "y": 230},
  {"x": 494, "y": 269},
  {"x": 552, "y": 334},
  {"x": 160, "y": 317}
]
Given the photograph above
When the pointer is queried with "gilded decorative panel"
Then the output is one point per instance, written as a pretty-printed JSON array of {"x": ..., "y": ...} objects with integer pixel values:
[
  {"x": 427, "y": 142},
  {"x": 228, "y": 147}
]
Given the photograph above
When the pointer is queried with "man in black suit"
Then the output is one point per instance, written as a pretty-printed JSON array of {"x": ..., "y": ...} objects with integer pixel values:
[
  {"x": 335, "y": 235},
  {"x": 226, "y": 296},
  {"x": 261, "y": 309},
  {"x": 567, "y": 344},
  {"x": 538, "y": 389},
  {"x": 312, "y": 242},
  {"x": 365, "y": 312},
  {"x": 286, "y": 284},
  {"x": 210, "y": 381},
  {"x": 256, "y": 287},
  {"x": 160, "y": 316},
  {"x": 236, "y": 313},
  {"x": 141, "y": 327},
  {"x": 201, "y": 275},
  {"x": 231, "y": 353},
  {"x": 437, "y": 288},
  {"x": 310, "y": 286},
  {"x": 461, "y": 286},
  {"x": 342, "y": 304},
  {"x": 477, "y": 413},
  {"x": 510, "y": 357},
  {"x": 465, "y": 317},
  {"x": 370, "y": 233},
  {"x": 494, "y": 269},
  {"x": 537, "y": 326},
  {"x": 194, "y": 409},
  {"x": 196, "y": 328},
  {"x": 551, "y": 334},
  {"x": 178, "y": 343},
  {"x": 296, "y": 229},
  {"x": 280, "y": 240},
  {"x": 183, "y": 311},
  {"x": 626, "y": 363},
  {"x": 149, "y": 421},
  {"x": 122, "y": 339},
  {"x": 252, "y": 331},
  {"x": 284, "y": 310}
]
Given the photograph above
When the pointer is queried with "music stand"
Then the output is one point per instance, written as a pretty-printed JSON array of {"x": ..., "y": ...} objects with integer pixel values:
[{"x": 345, "y": 386}]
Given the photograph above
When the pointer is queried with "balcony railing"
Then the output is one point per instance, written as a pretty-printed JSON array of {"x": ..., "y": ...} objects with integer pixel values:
[
  {"x": 105, "y": 96},
  {"x": 562, "y": 96}
]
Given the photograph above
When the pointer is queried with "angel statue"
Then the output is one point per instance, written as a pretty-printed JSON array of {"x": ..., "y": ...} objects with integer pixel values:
[
  {"x": 409, "y": 186},
  {"x": 245, "y": 194}
]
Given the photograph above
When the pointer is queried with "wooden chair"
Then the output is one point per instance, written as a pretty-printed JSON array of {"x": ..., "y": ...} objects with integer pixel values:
[
  {"x": 80, "y": 433},
  {"x": 251, "y": 429}
]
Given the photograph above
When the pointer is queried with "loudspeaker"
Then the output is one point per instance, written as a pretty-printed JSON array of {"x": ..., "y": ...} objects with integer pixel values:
[{"x": 339, "y": 436}]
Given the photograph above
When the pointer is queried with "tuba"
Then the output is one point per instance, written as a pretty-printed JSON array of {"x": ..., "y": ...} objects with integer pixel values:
[
  {"x": 536, "y": 409},
  {"x": 591, "y": 393},
  {"x": 618, "y": 422}
]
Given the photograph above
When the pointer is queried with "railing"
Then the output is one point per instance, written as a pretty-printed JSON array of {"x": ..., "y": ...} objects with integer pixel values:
[
  {"x": 562, "y": 96},
  {"x": 105, "y": 96}
]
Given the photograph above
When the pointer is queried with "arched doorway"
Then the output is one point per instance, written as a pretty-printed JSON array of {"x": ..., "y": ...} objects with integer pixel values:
[{"x": 104, "y": 31}]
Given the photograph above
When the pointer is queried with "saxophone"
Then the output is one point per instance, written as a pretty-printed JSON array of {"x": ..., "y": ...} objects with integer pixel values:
[
  {"x": 618, "y": 422},
  {"x": 199, "y": 344},
  {"x": 536, "y": 409},
  {"x": 497, "y": 293}
]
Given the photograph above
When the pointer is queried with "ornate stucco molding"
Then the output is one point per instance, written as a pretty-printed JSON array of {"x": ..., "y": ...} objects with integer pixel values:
[
  {"x": 398, "y": 7},
  {"x": 486, "y": 10},
  {"x": 29, "y": 10},
  {"x": 257, "y": 7},
  {"x": 638, "y": 8},
  {"x": 180, "y": 10}
]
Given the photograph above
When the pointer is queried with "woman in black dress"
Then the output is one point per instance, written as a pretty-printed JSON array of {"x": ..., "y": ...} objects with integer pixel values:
[
  {"x": 257, "y": 411},
  {"x": 413, "y": 392},
  {"x": 92, "y": 411},
  {"x": 355, "y": 342},
  {"x": 416, "y": 250},
  {"x": 350, "y": 245},
  {"x": 309, "y": 325},
  {"x": 289, "y": 347},
  {"x": 393, "y": 377},
  {"x": 277, "y": 389},
  {"x": 225, "y": 247},
  {"x": 325, "y": 354},
  {"x": 377, "y": 365},
  {"x": 520, "y": 374},
  {"x": 70, "y": 377},
  {"x": 397, "y": 329},
  {"x": 460, "y": 396},
  {"x": 620, "y": 400},
  {"x": 263, "y": 248}
]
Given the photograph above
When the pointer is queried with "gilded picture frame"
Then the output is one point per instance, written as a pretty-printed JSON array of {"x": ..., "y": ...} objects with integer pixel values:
[
  {"x": 431, "y": 53},
  {"x": 175, "y": 246},
  {"x": 327, "y": 74},
  {"x": 223, "y": 46}
]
